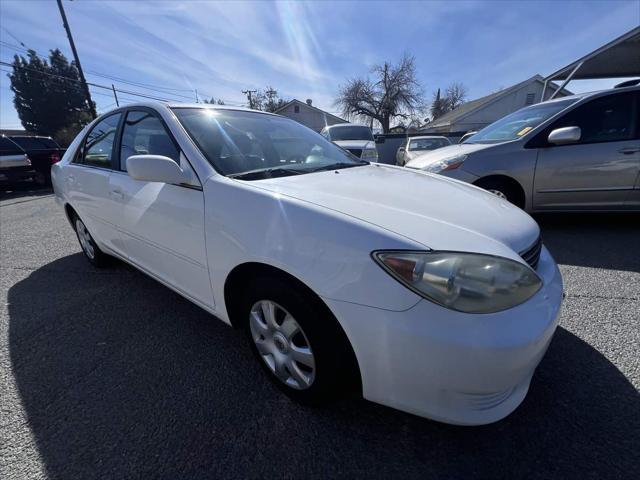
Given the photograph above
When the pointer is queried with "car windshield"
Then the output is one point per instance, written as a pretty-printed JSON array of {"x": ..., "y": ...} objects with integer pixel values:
[
  {"x": 350, "y": 133},
  {"x": 519, "y": 123},
  {"x": 252, "y": 146},
  {"x": 428, "y": 143}
]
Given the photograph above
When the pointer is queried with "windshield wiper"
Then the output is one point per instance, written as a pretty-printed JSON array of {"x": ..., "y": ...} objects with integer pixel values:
[
  {"x": 338, "y": 165},
  {"x": 266, "y": 173}
]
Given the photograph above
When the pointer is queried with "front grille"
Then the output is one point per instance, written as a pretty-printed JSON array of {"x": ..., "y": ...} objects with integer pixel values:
[
  {"x": 532, "y": 254},
  {"x": 356, "y": 151}
]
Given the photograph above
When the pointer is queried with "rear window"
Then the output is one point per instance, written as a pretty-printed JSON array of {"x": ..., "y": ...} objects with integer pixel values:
[
  {"x": 34, "y": 143},
  {"x": 7, "y": 147},
  {"x": 350, "y": 133}
]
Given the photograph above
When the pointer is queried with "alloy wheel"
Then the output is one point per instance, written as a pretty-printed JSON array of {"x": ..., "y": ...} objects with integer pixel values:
[
  {"x": 282, "y": 344},
  {"x": 498, "y": 193},
  {"x": 85, "y": 239}
]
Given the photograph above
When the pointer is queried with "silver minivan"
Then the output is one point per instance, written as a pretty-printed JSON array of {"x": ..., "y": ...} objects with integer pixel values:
[{"x": 573, "y": 153}]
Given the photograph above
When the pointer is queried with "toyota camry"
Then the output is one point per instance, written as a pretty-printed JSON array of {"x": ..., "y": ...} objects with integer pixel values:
[{"x": 414, "y": 290}]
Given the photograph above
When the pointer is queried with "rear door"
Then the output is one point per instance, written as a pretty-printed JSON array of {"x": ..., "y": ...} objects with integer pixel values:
[
  {"x": 600, "y": 170},
  {"x": 87, "y": 182},
  {"x": 162, "y": 225}
]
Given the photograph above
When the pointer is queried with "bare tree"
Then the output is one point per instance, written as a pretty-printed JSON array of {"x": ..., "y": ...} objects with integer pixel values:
[
  {"x": 394, "y": 92},
  {"x": 456, "y": 94}
]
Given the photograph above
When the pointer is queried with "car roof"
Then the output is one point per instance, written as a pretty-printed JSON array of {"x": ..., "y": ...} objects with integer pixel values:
[
  {"x": 427, "y": 136},
  {"x": 157, "y": 105},
  {"x": 340, "y": 125},
  {"x": 595, "y": 93}
]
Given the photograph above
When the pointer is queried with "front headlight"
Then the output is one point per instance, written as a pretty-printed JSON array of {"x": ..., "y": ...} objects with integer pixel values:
[
  {"x": 466, "y": 282},
  {"x": 446, "y": 164},
  {"x": 369, "y": 154}
]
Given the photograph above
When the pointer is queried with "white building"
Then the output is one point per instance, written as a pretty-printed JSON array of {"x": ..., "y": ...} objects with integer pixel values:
[
  {"x": 479, "y": 113},
  {"x": 308, "y": 115}
]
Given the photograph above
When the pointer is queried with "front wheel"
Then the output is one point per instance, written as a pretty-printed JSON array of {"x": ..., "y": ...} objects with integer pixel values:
[
  {"x": 298, "y": 344},
  {"x": 505, "y": 190}
]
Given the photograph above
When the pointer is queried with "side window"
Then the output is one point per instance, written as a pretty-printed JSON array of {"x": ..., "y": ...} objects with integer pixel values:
[
  {"x": 404, "y": 144},
  {"x": 605, "y": 119},
  {"x": 98, "y": 147},
  {"x": 144, "y": 133}
]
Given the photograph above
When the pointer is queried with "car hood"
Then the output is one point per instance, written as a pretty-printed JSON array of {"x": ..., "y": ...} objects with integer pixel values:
[
  {"x": 435, "y": 211},
  {"x": 426, "y": 158},
  {"x": 355, "y": 144}
]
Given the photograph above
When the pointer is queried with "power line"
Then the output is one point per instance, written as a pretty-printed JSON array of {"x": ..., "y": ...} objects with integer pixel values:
[{"x": 145, "y": 86}]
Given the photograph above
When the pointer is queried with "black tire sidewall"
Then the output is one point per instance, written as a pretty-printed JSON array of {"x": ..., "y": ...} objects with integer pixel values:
[
  {"x": 319, "y": 329},
  {"x": 99, "y": 259}
]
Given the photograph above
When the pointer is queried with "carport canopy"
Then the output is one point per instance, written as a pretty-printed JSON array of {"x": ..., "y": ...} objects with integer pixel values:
[{"x": 619, "y": 58}]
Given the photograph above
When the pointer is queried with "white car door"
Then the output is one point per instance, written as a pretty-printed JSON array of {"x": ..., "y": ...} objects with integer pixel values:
[
  {"x": 87, "y": 182},
  {"x": 162, "y": 225}
]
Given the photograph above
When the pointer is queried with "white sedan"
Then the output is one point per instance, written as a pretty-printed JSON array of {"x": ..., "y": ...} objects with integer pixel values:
[
  {"x": 413, "y": 147},
  {"x": 417, "y": 291}
]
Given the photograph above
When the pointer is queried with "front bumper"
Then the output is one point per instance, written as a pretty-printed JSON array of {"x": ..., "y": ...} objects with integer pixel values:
[{"x": 449, "y": 366}]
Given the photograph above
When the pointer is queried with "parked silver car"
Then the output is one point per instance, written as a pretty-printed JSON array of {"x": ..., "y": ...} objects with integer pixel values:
[
  {"x": 413, "y": 147},
  {"x": 574, "y": 153}
]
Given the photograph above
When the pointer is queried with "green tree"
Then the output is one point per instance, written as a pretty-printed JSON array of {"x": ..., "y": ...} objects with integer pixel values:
[
  {"x": 438, "y": 106},
  {"x": 213, "y": 101},
  {"x": 48, "y": 95},
  {"x": 266, "y": 100}
]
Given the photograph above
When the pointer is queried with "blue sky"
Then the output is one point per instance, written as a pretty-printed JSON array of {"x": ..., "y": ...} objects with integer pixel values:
[{"x": 307, "y": 49}]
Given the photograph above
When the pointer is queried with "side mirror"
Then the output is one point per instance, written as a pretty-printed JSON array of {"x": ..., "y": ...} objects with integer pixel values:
[
  {"x": 565, "y": 135},
  {"x": 155, "y": 168},
  {"x": 401, "y": 149}
]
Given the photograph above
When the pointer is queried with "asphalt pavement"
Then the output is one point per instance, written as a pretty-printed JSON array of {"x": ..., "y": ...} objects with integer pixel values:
[{"x": 108, "y": 374}]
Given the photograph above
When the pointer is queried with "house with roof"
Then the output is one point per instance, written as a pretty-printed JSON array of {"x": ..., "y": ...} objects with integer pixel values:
[
  {"x": 308, "y": 115},
  {"x": 479, "y": 113}
]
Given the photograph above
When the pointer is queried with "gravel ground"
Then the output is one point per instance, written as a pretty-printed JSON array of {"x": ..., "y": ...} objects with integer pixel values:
[{"x": 108, "y": 374}]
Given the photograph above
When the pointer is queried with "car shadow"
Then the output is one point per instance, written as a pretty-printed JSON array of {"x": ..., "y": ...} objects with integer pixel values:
[
  {"x": 606, "y": 240},
  {"x": 122, "y": 378}
]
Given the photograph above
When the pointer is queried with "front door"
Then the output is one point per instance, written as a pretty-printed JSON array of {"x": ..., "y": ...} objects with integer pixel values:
[
  {"x": 87, "y": 182},
  {"x": 162, "y": 225},
  {"x": 598, "y": 171}
]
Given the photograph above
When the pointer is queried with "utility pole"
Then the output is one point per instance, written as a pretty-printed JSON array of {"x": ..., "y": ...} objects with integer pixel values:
[
  {"x": 115, "y": 95},
  {"x": 248, "y": 93},
  {"x": 92, "y": 108}
]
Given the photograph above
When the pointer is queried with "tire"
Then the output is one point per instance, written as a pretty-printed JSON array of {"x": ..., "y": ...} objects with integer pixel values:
[
  {"x": 91, "y": 251},
  {"x": 42, "y": 179},
  {"x": 313, "y": 366},
  {"x": 504, "y": 190}
]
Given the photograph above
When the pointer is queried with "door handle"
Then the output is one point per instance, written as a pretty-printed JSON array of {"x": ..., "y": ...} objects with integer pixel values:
[
  {"x": 629, "y": 150},
  {"x": 117, "y": 192}
]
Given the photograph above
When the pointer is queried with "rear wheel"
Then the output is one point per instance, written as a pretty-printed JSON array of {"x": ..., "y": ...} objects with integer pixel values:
[
  {"x": 299, "y": 345},
  {"x": 91, "y": 251}
]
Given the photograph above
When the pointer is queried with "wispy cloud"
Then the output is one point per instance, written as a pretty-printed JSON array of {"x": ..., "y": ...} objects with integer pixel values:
[{"x": 307, "y": 49}]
